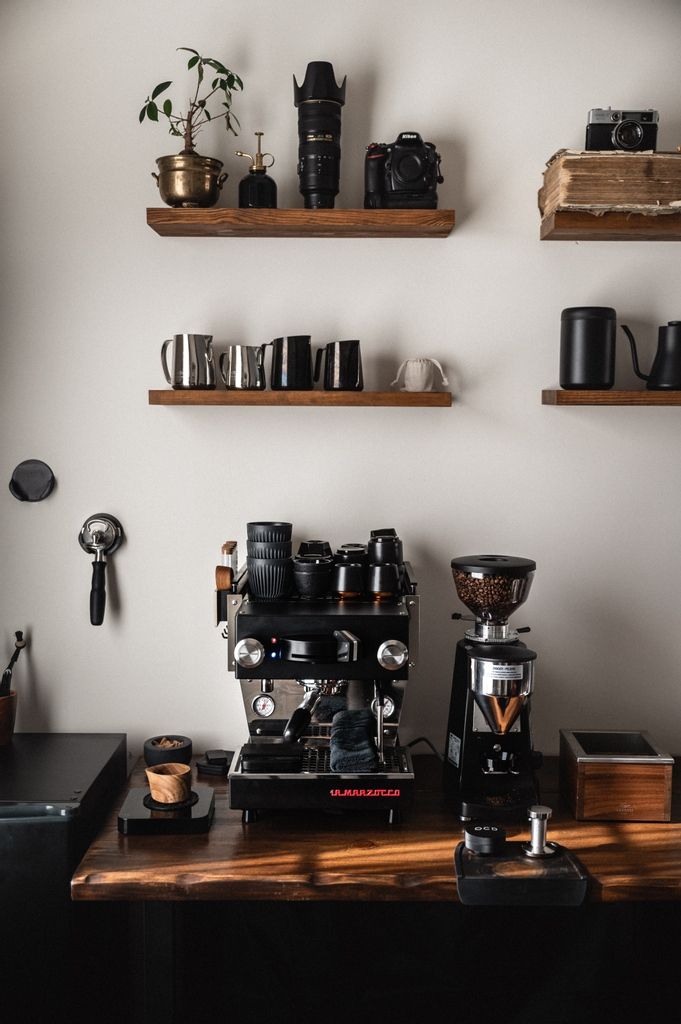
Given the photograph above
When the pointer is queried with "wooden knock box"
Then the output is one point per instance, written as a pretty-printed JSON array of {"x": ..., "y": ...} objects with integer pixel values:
[{"x": 607, "y": 775}]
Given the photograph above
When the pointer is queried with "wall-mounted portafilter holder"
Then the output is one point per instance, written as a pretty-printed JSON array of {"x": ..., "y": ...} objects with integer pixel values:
[{"x": 100, "y": 535}]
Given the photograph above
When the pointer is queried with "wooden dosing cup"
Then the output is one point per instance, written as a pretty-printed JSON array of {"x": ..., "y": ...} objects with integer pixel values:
[{"x": 170, "y": 783}]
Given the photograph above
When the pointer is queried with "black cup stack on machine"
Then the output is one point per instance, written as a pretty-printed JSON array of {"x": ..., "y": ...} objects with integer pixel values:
[
  {"x": 323, "y": 667},
  {"x": 489, "y": 758}
]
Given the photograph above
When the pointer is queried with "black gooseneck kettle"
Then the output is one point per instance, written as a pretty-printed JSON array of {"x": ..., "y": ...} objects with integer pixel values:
[{"x": 665, "y": 373}]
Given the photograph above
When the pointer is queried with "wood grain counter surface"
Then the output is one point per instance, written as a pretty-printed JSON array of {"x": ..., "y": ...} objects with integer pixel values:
[{"x": 317, "y": 856}]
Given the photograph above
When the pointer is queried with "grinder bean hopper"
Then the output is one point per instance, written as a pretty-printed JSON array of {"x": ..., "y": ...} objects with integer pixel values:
[
  {"x": 100, "y": 535},
  {"x": 489, "y": 759}
]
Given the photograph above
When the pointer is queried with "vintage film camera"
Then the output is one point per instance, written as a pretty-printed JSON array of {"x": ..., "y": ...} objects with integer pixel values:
[
  {"x": 402, "y": 175},
  {"x": 621, "y": 129}
]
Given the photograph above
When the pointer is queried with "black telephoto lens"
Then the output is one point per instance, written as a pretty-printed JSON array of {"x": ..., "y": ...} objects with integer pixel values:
[{"x": 319, "y": 101}]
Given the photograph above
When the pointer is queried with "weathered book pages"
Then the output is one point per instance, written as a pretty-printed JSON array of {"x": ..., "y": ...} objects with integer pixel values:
[{"x": 599, "y": 181}]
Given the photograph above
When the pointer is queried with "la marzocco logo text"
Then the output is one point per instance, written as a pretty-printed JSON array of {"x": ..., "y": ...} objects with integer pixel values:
[{"x": 364, "y": 792}]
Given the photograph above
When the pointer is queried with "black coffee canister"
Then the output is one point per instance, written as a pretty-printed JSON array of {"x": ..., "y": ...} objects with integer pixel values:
[{"x": 587, "y": 347}]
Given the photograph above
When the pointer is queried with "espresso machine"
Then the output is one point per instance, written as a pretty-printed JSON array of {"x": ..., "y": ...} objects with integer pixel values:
[
  {"x": 489, "y": 759},
  {"x": 323, "y": 681}
]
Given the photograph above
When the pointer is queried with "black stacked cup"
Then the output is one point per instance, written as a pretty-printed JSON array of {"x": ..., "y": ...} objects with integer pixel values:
[{"x": 270, "y": 569}]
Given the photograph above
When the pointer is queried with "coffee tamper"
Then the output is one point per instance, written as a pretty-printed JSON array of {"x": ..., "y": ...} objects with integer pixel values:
[{"x": 539, "y": 820}]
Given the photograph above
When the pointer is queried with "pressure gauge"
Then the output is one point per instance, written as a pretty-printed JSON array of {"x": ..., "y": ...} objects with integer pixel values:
[
  {"x": 263, "y": 705},
  {"x": 388, "y": 707}
]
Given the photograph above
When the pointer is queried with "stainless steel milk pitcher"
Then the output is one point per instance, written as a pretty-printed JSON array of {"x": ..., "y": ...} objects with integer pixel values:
[
  {"x": 243, "y": 367},
  {"x": 191, "y": 361}
]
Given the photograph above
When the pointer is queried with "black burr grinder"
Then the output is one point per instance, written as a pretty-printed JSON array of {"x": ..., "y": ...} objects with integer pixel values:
[{"x": 489, "y": 759}]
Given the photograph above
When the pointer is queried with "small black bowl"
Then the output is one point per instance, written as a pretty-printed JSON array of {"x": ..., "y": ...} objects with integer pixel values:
[
  {"x": 320, "y": 548},
  {"x": 272, "y": 533},
  {"x": 385, "y": 550},
  {"x": 383, "y": 580},
  {"x": 154, "y": 754},
  {"x": 312, "y": 575},
  {"x": 269, "y": 549},
  {"x": 348, "y": 579},
  {"x": 270, "y": 578}
]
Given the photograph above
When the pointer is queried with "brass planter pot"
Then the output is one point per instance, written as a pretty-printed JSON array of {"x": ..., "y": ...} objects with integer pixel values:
[{"x": 189, "y": 180}]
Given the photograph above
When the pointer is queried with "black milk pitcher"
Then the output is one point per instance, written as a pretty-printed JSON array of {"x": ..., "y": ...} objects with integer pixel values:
[
  {"x": 342, "y": 367},
  {"x": 665, "y": 373},
  {"x": 291, "y": 363},
  {"x": 587, "y": 347}
]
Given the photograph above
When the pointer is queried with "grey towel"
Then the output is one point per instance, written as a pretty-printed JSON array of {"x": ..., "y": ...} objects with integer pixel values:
[{"x": 352, "y": 742}]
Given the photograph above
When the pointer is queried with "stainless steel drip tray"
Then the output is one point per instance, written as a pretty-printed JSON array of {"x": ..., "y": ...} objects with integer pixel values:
[
  {"x": 316, "y": 787},
  {"x": 316, "y": 763}
]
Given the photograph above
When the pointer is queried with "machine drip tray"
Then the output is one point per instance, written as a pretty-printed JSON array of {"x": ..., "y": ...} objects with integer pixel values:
[{"x": 137, "y": 816}]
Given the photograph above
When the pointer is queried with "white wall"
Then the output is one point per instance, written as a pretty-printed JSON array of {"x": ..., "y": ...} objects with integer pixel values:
[{"x": 89, "y": 292}]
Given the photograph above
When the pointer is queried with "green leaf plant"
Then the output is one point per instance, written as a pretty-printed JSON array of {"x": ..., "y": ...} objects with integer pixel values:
[{"x": 187, "y": 126}]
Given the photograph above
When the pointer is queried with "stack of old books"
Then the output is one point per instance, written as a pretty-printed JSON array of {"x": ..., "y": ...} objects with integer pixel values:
[{"x": 598, "y": 182}]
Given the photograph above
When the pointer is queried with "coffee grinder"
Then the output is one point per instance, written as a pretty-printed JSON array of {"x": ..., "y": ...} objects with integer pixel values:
[{"x": 489, "y": 760}]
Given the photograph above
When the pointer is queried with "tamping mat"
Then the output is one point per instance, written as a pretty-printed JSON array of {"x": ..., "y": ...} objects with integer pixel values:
[
  {"x": 140, "y": 815},
  {"x": 513, "y": 879}
]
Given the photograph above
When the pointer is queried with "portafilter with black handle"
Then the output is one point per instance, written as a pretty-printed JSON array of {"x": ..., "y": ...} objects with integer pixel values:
[{"x": 100, "y": 535}]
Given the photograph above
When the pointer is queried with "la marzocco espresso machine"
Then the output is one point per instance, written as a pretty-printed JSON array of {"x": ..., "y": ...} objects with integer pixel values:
[
  {"x": 489, "y": 759},
  {"x": 323, "y": 683}
]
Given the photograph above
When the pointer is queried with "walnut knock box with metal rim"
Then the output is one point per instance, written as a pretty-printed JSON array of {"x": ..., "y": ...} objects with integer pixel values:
[{"x": 611, "y": 775}]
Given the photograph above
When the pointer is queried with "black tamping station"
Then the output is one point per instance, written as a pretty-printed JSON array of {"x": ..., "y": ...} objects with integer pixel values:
[{"x": 491, "y": 871}]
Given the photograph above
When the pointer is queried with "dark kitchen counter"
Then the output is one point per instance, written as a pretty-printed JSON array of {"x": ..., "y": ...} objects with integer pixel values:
[{"x": 300, "y": 856}]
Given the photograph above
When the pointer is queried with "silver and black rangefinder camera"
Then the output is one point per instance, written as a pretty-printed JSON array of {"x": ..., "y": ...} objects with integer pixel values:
[{"x": 621, "y": 129}]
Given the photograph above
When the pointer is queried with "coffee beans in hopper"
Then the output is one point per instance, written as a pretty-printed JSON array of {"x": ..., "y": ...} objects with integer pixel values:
[{"x": 490, "y": 598}]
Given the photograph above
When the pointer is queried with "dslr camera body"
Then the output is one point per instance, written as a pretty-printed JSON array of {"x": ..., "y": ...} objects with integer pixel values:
[
  {"x": 621, "y": 129},
  {"x": 403, "y": 174}
]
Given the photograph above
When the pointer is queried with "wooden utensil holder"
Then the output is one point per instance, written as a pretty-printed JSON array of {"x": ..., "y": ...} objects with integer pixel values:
[{"x": 8, "y": 714}]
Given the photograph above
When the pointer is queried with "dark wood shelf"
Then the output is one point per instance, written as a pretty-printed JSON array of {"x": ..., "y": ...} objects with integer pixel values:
[
  {"x": 405, "y": 399},
  {"x": 560, "y": 397},
  {"x": 611, "y": 226},
  {"x": 231, "y": 223}
]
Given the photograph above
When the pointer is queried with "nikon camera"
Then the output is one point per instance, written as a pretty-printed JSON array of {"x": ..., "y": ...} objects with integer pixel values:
[
  {"x": 621, "y": 129},
  {"x": 402, "y": 175}
]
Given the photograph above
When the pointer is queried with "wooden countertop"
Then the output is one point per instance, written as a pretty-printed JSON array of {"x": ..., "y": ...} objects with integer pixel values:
[{"x": 317, "y": 856}]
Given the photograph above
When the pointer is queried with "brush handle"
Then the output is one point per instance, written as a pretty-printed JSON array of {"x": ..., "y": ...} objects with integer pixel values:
[{"x": 98, "y": 593}]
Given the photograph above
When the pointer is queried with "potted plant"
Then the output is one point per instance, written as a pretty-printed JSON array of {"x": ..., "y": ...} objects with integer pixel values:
[{"x": 188, "y": 179}]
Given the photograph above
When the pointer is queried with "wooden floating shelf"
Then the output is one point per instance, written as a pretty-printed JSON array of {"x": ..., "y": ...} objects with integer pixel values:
[
  {"x": 405, "y": 399},
  {"x": 612, "y": 226},
  {"x": 560, "y": 397},
  {"x": 231, "y": 223}
]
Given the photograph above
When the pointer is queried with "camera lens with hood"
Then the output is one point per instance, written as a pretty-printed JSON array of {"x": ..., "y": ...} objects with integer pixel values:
[{"x": 319, "y": 101}]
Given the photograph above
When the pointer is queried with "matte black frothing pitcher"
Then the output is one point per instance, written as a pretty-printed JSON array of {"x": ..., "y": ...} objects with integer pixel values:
[{"x": 665, "y": 373}]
